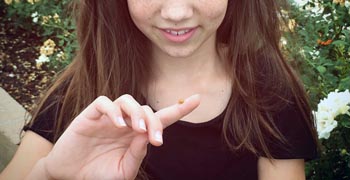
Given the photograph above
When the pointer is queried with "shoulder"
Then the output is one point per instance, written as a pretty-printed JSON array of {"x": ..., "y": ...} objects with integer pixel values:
[
  {"x": 297, "y": 129},
  {"x": 45, "y": 115}
]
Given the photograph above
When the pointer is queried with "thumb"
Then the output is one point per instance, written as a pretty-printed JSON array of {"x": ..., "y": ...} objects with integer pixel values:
[
  {"x": 171, "y": 114},
  {"x": 134, "y": 156}
]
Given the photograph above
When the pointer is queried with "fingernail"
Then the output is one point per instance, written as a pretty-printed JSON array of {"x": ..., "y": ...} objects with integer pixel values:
[
  {"x": 121, "y": 121},
  {"x": 142, "y": 124},
  {"x": 158, "y": 136},
  {"x": 191, "y": 97}
]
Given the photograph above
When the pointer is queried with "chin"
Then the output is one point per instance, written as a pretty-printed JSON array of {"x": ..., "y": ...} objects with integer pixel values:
[{"x": 179, "y": 52}]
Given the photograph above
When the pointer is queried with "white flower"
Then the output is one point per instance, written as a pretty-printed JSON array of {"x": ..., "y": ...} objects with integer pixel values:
[
  {"x": 300, "y": 2},
  {"x": 314, "y": 54},
  {"x": 35, "y": 17},
  {"x": 325, "y": 124},
  {"x": 336, "y": 103},
  {"x": 61, "y": 56},
  {"x": 326, "y": 16},
  {"x": 35, "y": 14},
  {"x": 315, "y": 10},
  {"x": 347, "y": 4},
  {"x": 283, "y": 41},
  {"x": 342, "y": 37},
  {"x": 42, "y": 58},
  {"x": 328, "y": 109}
]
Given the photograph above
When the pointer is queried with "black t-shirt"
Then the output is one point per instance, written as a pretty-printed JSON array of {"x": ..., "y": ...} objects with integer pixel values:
[{"x": 198, "y": 151}]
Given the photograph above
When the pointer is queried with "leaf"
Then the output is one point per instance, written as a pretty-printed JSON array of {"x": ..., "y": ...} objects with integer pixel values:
[
  {"x": 321, "y": 69},
  {"x": 61, "y": 42},
  {"x": 339, "y": 42},
  {"x": 344, "y": 83},
  {"x": 345, "y": 122}
]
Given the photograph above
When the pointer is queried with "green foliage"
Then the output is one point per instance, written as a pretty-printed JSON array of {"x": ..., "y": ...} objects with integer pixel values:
[
  {"x": 51, "y": 19},
  {"x": 320, "y": 47}
]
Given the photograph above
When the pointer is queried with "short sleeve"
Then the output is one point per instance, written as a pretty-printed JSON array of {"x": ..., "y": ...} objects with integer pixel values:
[
  {"x": 301, "y": 144},
  {"x": 44, "y": 122}
]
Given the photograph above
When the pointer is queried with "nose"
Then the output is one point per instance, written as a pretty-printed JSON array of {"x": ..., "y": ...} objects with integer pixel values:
[{"x": 176, "y": 10}]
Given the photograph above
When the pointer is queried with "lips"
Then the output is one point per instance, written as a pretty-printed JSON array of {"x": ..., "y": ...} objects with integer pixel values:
[{"x": 178, "y": 35}]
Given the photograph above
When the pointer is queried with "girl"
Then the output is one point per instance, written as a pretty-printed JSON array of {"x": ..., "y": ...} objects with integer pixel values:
[{"x": 246, "y": 115}]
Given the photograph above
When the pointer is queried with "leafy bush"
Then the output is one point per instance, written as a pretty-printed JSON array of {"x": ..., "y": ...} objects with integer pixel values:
[
  {"x": 318, "y": 43},
  {"x": 53, "y": 22}
]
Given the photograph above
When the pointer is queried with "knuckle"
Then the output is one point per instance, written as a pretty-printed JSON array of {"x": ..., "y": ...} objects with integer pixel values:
[
  {"x": 101, "y": 98},
  {"x": 99, "y": 101},
  {"x": 102, "y": 102},
  {"x": 147, "y": 108},
  {"x": 125, "y": 96},
  {"x": 139, "y": 112}
]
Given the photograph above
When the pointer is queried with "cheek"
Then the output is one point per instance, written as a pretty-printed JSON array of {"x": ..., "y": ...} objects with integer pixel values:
[
  {"x": 141, "y": 10},
  {"x": 213, "y": 9}
]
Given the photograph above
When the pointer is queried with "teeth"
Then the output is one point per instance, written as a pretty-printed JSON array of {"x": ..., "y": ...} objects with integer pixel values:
[
  {"x": 181, "y": 32},
  {"x": 177, "y": 33},
  {"x": 173, "y": 32}
]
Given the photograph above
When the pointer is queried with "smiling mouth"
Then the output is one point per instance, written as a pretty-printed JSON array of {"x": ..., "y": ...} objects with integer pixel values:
[{"x": 178, "y": 35}]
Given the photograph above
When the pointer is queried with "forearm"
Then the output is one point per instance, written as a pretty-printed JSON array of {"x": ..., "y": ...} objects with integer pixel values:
[{"x": 39, "y": 172}]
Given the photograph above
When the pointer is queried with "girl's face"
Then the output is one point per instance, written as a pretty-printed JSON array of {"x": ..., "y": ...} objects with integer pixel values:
[{"x": 178, "y": 27}]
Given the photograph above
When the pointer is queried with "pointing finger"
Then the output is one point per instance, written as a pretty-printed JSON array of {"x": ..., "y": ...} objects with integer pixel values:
[{"x": 171, "y": 114}]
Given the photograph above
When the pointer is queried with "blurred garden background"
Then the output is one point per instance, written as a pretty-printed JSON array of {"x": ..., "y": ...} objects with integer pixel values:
[{"x": 37, "y": 41}]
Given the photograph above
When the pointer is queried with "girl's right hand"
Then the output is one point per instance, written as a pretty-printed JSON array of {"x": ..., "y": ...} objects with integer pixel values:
[{"x": 108, "y": 140}]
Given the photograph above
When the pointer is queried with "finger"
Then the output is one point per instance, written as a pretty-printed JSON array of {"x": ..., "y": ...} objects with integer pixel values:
[
  {"x": 173, "y": 113},
  {"x": 103, "y": 106},
  {"x": 134, "y": 156},
  {"x": 154, "y": 126},
  {"x": 131, "y": 108}
]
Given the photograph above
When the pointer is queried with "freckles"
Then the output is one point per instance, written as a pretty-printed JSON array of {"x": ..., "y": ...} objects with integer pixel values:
[
  {"x": 213, "y": 8},
  {"x": 142, "y": 9}
]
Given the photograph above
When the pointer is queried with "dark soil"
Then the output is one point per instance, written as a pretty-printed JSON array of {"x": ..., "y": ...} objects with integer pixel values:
[{"x": 19, "y": 75}]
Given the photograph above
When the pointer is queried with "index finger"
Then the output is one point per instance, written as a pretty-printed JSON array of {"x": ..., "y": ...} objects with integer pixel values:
[{"x": 171, "y": 114}]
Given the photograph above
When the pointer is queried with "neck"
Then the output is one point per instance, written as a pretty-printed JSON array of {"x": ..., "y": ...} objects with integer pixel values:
[{"x": 201, "y": 73}]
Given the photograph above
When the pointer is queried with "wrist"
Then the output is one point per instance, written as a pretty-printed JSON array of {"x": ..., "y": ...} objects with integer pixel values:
[{"x": 40, "y": 171}]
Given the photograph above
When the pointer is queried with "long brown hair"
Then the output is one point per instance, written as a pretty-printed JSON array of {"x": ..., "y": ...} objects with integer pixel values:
[
  {"x": 263, "y": 82},
  {"x": 113, "y": 59}
]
